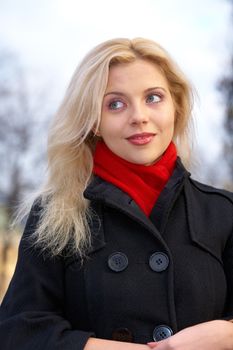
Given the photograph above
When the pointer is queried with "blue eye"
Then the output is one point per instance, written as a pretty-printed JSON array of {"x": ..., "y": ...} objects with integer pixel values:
[
  {"x": 116, "y": 105},
  {"x": 153, "y": 98}
]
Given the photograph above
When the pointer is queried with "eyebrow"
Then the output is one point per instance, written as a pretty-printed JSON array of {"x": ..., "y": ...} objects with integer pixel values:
[{"x": 118, "y": 93}]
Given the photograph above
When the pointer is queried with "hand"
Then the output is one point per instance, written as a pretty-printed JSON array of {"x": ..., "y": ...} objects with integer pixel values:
[
  {"x": 103, "y": 344},
  {"x": 217, "y": 335}
]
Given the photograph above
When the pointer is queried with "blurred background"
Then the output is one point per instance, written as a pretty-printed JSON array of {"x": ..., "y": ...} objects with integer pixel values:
[{"x": 41, "y": 43}]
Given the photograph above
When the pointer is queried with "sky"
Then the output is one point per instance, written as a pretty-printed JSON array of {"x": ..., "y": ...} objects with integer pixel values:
[{"x": 51, "y": 36}]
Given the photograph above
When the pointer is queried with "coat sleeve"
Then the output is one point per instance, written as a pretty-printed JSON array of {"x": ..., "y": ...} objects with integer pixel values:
[
  {"x": 228, "y": 267},
  {"x": 32, "y": 311}
]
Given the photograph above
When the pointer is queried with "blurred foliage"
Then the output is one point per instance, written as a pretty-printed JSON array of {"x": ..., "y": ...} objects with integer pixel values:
[
  {"x": 21, "y": 128},
  {"x": 21, "y": 155},
  {"x": 226, "y": 88}
]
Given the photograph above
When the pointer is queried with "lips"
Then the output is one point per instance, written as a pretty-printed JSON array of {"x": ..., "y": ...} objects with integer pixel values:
[{"x": 141, "y": 139}]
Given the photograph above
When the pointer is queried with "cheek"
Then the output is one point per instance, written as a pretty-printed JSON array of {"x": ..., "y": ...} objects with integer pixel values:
[
  {"x": 166, "y": 123},
  {"x": 105, "y": 124},
  {"x": 169, "y": 121},
  {"x": 107, "y": 130},
  {"x": 111, "y": 125}
]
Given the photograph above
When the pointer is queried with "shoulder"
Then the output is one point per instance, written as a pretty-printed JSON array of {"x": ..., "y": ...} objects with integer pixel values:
[
  {"x": 210, "y": 192},
  {"x": 210, "y": 215},
  {"x": 202, "y": 192},
  {"x": 33, "y": 217},
  {"x": 209, "y": 206}
]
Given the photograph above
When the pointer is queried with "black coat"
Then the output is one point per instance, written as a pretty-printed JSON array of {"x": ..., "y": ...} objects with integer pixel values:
[{"x": 144, "y": 278}]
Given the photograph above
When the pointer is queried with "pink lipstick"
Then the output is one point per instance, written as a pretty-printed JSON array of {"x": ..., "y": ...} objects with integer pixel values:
[{"x": 141, "y": 139}]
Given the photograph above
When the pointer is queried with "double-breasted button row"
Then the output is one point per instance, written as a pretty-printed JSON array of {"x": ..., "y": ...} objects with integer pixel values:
[
  {"x": 118, "y": 261},
  {"x": 124, "y": 334},
  {"x": 159, "y": 261},
  {"x": 162, "y": 332}
]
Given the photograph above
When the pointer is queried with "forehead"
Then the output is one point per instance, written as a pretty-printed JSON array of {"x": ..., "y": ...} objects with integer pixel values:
[{"x": 138, "y": 72}]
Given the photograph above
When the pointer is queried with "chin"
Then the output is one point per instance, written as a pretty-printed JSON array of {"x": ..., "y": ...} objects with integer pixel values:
[{"x": 145, "y": 162}]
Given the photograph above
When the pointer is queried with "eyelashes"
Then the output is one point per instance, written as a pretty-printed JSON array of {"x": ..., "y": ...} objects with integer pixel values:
[
  {"x": 118, "y": 104},
  {"x": 154, "y": 98},
  {"x": 115, "y": 105}
]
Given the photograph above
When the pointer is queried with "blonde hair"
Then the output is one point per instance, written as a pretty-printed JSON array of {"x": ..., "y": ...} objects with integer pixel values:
[{"x": 65, "y": 213}]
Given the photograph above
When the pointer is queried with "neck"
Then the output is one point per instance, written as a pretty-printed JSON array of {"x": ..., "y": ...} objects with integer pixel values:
[{"x": 142, "y": 183}]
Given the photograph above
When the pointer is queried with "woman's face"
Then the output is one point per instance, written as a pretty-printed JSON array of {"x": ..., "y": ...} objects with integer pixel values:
[{"x": 138, "y": 114}]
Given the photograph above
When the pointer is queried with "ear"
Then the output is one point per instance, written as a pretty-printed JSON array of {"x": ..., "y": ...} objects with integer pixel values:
[{"x": 96, "y": 132}]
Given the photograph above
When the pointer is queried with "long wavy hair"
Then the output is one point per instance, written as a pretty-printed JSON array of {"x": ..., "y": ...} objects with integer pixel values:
[{"x": 65, "y": 213}]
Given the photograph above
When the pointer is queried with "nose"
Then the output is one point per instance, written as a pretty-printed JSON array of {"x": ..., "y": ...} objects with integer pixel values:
[{"x": 139, "y": 114}]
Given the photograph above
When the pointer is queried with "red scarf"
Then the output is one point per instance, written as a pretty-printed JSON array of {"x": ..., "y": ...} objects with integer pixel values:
[{"x": 142, "y": 183}]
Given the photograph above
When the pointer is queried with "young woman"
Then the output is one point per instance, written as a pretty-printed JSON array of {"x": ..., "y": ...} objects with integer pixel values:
[{"x": 122, "y": 248}]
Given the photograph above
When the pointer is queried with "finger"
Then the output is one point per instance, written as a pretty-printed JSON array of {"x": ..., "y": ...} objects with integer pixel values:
[{"x": 152, "y": 344}]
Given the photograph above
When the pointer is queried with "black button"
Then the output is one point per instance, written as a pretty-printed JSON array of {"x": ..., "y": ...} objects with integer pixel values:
[
  {"x": 159, "y": 262},
  {"x": 122, "y": 334},
  {"x": 162, "y": 332},
  {"x": 117, "y": 261}
]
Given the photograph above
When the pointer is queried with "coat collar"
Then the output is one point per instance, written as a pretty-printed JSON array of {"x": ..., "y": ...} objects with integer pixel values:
[{"x": 100, "y": 191}]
